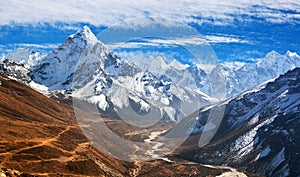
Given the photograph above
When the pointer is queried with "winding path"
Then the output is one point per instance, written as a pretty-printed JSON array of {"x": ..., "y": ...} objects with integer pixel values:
[{"x": 156, "y": 146}]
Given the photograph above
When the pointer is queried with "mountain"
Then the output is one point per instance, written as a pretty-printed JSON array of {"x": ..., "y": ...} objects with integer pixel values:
[
  {"x": 25, "y": 56},
  {"x": 56, "y": 69},
  {"x": 242, "y": 78},
  {"x": 84, "y": 65},
  {"x": 186, "y": 76},
  {"x": 258, "y": 132}
]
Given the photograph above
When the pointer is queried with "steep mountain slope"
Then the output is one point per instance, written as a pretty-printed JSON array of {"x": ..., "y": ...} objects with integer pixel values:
[
  {"x": 77, "y": 61},
  {"x": 41, "y": 137},
  {"x": 259, "y": 130},
  {"x": 15, "y": 70}
]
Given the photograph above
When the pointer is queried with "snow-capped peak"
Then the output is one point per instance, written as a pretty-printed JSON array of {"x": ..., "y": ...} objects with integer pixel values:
[
  {"x": 84, "y": 34},
  {"x": 272, "y": 54},
  {"x": 57, "y": 69},
  {"x": 280, "y": 62},
  {"x": 177, "y": 65},
  {"x": 292, "y": 54}
]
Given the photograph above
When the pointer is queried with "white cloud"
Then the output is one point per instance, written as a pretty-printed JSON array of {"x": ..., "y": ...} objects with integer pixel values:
[
  {"x": 110, "y": 12},
  {"x": 224, "y": 39},
  {"x": 40, "y": 46},
  {"x": 206, "y": 40},
  {"x": 159, "y": 42},
  {"x": 130, "y": 45},
  {"x": 179, "y": 41}
]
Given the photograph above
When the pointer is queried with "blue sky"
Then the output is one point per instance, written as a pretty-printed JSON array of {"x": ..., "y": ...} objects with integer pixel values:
[{"x": 235, "y": 29}]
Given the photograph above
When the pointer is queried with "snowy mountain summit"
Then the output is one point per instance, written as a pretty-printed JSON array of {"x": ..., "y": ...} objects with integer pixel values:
[
  {"x": 57, "y": 68},
  {"x": 249, "y": 75}
]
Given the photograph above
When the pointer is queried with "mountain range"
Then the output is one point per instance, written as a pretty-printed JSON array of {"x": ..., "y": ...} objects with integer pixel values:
[
  {"x": 249, "y": 110},
  {"x": 75, "y": 65},
  {"x": 238, "y": 76}
]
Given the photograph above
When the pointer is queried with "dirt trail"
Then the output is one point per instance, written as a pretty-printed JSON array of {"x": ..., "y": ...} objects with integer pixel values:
[{"x": 41, "y": 141}]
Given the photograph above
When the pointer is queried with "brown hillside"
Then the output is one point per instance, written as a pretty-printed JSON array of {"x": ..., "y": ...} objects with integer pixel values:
[{"x": 40, "y": 137}]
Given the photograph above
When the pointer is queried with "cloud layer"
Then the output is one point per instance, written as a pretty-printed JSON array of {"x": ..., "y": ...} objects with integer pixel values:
[
  {"x": 110, "y": 12},
  {"x": 205, "y": 40}
]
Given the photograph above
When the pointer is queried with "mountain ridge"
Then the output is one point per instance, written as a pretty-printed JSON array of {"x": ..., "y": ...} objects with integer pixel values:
[
  {"x": 238, "y": 79},
  {"x": 258, "y": 130}
]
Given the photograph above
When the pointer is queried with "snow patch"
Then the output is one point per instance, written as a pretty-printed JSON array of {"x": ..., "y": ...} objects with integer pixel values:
[
  {"x": 263, "y": 153},
  {"x": 232, "y": 173},
  {"x": 38, "y": 87},
  {"x": 100, "y": 100},
  {"x": 278, "y": 159},
  {"x": 245, "y": 143},
  {"x": 254, "y": 120}
]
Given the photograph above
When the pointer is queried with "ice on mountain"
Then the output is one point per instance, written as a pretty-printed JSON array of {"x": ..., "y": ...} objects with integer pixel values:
[
  {"x": 254, "y": 120},
  {"x": 278, "y": 159},
  {"x": 265, "y": 152}
]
